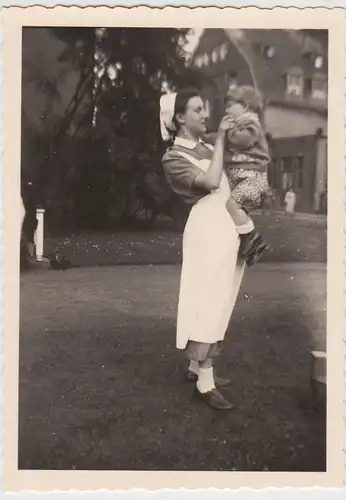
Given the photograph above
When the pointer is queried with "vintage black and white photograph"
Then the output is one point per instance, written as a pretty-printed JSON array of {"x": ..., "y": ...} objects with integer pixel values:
[
  {"x": 172, "y": 180},
  {"x": 173, "y": 248}
]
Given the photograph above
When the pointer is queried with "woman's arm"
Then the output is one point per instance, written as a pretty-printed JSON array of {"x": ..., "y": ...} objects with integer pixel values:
[
  {"x": 210, "y": 138},
  {"x": 212, "y": 177}
]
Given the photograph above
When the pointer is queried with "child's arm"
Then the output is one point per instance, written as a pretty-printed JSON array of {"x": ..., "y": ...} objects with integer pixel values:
[
  {"x": 210, "y": 137},
  {"x": 245, "y": 134}
]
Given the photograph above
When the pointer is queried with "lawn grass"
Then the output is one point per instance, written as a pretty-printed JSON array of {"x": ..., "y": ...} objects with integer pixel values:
[
  {"x": 102, "y": 385},
  {"x": 293, "y": 240}
]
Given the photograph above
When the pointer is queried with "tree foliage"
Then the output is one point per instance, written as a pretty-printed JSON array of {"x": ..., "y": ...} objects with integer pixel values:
[{"x": 103, "y": 152}]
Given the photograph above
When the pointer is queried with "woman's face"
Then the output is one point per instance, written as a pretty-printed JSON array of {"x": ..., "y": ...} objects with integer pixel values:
[{"x": 194, "y": 118}]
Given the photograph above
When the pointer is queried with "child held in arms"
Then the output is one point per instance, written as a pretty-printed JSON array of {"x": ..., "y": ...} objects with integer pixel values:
[{"x": 246, "y": 160}]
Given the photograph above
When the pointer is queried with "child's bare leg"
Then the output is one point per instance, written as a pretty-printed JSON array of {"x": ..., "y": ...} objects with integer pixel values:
[{"x": 240, "y": 218}]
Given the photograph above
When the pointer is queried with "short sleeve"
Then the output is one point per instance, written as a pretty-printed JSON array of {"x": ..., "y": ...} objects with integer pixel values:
[{"x": 179, "y": 170}]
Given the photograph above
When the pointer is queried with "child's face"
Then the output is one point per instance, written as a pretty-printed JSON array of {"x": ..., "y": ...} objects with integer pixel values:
[{"x": 235, "y": 109}]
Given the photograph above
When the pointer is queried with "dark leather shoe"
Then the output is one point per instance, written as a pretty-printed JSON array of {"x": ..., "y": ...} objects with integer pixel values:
[
  {"x": 215, "y": 400},
  {"x": 219, "y": 382},
  {"x": 255, "y": 256},
  {"x": 249, "y": 242}
]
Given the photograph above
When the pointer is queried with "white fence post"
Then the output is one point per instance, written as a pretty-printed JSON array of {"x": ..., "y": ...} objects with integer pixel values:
[{"x": 39, "y": 234}]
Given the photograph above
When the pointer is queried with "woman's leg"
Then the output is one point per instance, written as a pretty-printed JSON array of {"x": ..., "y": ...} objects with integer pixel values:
[
  {"x": 206, "y": 389},
  {"x": 205, "y": 382},
  {"x": 193, "y": 367},
  {"x": 203, "y": 355}
]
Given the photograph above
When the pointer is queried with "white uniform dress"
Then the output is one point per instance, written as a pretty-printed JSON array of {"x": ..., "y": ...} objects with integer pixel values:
[{"x": 211, "y": 271}]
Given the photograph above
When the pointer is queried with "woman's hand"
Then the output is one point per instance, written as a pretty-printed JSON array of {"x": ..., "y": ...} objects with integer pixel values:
[
  {"x": 227, "y": 123},
  {"x": 211, "y": 178}
]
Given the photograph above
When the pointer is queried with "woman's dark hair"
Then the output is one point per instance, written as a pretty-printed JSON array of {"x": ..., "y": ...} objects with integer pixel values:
[{"x": 181, "y": 101}]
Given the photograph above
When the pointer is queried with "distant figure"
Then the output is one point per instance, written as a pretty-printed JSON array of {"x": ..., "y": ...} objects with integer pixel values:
[
  {"x": 268, "y": 202},
  {"x": 290, "y": 202}
]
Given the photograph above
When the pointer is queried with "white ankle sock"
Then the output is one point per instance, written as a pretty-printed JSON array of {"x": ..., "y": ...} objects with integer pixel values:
[
  {"x": 205, "y": 380},
  {"x": 193, "y": 366},
  {"x": 246, "y": 228}
]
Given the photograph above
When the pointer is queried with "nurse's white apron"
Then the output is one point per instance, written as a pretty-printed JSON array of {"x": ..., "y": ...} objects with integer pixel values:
[{"x": 211, "y": 271}]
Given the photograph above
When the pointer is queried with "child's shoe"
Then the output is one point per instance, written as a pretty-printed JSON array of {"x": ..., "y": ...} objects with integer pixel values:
[
  {"x": 249, "y": 242},
  {"x": 257, "y": 253}
]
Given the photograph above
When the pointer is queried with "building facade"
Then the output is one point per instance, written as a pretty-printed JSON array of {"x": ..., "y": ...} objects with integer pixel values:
[
  {"x": 290, "y": 69},
  {"x": 299, "y": 162}
]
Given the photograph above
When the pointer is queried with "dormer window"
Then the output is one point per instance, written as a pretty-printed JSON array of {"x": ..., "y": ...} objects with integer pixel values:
[
  {"x": 223, "y": 51},
  {"x": 294, "y": 82},
  {"x": 318, "y": 62},
  {"x": 315, "y": 59},
  {"x": 214, "y": 56},
  {"x": 268, "y": 51}
]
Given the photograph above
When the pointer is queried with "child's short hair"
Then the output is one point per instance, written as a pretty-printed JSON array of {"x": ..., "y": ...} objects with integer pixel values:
[{"x": 246, "y": 95}]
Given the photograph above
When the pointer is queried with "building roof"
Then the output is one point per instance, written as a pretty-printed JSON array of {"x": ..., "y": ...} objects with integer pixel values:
[{"x": 292, "y": 51}]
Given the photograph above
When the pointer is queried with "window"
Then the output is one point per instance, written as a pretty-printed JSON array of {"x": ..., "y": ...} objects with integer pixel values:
[
  {"x": 286, "y": 173},
  {"x": 287, "y": 164},
  {"x": 268, "y": 51},
  {"x": 231, "y": 79},
  {"x": 319, "y": 88},
  {"x": 299, "y": 172},
  {"x": 276, "y": 173},
  {"x": 298, "y": 166},
  {"x": 206, "y": 59},
  {"x": 214, "y": 56},
  {"x": 294, "y": 84},
  {"x": 223, "y": 51},
  {"x": 271, "y": 174},
  {"x": 292, "y": 172},
  {"x": 286, "y": 181}
]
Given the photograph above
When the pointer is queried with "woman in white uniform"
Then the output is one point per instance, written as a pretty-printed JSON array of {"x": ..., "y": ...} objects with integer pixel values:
[
  {"x": 211, "y": 271},
  {"x": 290, "y": 202}
]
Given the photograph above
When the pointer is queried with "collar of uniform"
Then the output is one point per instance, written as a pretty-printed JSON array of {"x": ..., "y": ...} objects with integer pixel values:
[{"x": 186, "y": 143}]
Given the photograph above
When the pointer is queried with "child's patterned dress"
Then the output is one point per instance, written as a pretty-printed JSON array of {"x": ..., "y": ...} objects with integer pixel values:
[{"x": 246, "y": 160}]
